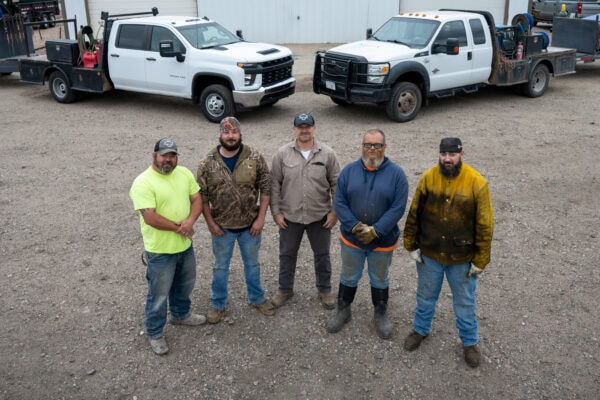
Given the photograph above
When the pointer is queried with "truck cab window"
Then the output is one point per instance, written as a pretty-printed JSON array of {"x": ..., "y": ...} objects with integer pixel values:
[
  {"x": 132, "y": 37},
  {"x": 452, "y": 30},
  {"x": 477, "y": 30},
  {"x": 159, "y": 34}
]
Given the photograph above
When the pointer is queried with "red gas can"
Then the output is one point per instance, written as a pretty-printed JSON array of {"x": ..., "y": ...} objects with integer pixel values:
[{"x": 89, "y": 59}]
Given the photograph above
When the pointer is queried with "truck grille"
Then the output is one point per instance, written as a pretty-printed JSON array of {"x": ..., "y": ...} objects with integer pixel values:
[
  {"x": 276, "y": 70},
  {"x": 344, "y": 69}
]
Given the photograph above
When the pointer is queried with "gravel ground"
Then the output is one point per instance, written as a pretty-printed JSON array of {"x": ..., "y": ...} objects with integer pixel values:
[{"x": 72, "y": 301}]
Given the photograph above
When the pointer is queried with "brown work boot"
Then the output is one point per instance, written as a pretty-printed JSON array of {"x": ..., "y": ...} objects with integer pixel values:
[
  {"x": 472, "y": 355},
  {"x": 413, "y": 341},
  {"x": 281, "y": 297},
  {"x": 266, "y": 308},
  {"x": 214, "y": 315},
  {"x": 327, "y": 300}
]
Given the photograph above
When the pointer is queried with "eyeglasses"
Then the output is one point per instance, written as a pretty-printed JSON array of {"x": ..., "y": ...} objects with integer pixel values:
[{"x": 377, "y": 146}]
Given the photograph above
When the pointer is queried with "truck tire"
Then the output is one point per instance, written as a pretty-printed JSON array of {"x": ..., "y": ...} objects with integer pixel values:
[
  {"x": 59, "y": 88},
  {"x": 538, "y": 82},
  {"x": 216, "y": 102},
  {"x": 405, "y": 103},
  {"x": 45, "y": 19},
  {"x": 52, "y": 18}
]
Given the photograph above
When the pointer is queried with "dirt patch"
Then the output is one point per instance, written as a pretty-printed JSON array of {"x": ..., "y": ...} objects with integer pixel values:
[{"x": 72, "y": 298}]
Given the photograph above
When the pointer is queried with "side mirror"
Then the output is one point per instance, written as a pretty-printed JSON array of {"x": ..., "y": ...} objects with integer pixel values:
[
  {"x": 451, "y": 47},
  {"x": 238, "y": 33},
  {"x": 166, "y": 50},
  {"x": 369, "y": 33}
]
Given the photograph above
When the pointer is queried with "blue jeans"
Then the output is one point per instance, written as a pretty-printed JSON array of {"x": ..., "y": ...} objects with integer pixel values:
[
  {"x": 353, "y": 261},
  {"x": 170, "y": 277},
  {"x": 430, "y": 280},
  {"x": 222, "y": 247}
]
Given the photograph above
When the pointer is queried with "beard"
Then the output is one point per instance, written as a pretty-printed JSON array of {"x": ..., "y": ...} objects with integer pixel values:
[
  {"x": 166, "y": 167},
  {"x": 230, "y": 146},
  {"x": 450, "y": 170},
  {"x": 373, "y": 162}
]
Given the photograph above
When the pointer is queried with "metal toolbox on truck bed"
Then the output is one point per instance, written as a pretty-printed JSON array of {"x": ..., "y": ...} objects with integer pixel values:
[{"x": 63, "y": 50}]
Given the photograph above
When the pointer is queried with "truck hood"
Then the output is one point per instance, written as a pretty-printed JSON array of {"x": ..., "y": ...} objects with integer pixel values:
[
  {"x": 251, "y": 52},
  {"x": 375, "y": 51}
]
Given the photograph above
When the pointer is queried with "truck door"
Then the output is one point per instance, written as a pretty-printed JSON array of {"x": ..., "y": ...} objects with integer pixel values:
[
  {"x": 126, "y": 57},
  {"x": 448, "y": 71},
  {"x": 166, "y": 74},
  {"x": 482, "y": 51}
]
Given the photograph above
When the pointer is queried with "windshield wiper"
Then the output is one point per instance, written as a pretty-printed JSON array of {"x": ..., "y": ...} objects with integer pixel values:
[{"x": 398, "y": 41}]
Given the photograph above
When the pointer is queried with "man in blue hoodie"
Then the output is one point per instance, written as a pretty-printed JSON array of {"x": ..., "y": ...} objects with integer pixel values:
[{"x": 369, "y": 201}]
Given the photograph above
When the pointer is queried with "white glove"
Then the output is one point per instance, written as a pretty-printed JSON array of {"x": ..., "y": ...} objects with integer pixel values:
[
  {"x": 473, "y": 271},
  {"x": 416, "y": 255}
]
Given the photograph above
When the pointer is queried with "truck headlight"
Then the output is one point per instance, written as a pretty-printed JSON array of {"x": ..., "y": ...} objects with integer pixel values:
[
  {"x": 249, "y": 79},
  {"x": 249, "y": 72},
  {"x": 376, "y": 73}
]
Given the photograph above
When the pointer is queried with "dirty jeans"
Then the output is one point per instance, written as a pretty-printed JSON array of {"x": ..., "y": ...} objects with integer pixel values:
[
  {"x": 430, "y": 280},
  {"x": 171, "y": 278},
  {"x": 353, "y": 261}
]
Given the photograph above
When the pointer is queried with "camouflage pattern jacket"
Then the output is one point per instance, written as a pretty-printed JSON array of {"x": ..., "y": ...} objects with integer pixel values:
[{"x": 234, "y": 196}]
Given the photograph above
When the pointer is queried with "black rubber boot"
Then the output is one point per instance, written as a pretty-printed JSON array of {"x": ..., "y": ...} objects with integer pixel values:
[
  {"x": 343, "y": 314},
  {"x": 382, "y": 323}
]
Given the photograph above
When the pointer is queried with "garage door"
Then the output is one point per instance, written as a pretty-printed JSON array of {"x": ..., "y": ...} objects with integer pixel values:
[{"x": 172, "y": 7}]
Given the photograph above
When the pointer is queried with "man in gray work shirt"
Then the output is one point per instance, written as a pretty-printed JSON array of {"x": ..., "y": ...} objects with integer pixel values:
[{"x": 304, "y": 175}]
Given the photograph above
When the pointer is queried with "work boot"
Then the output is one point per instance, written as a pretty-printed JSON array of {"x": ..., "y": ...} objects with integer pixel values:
[
  {"x": 214, "y": 315},
  {"x": 281, "y": 297},
  {"x": 327, "y": 300},
  {"x": 265, "y": 308},
  {"x": 382, "y": 323},
  {"x": 472, "y": 355},
  {"x": 343, "y": 314},
  {"x": 413, "y": 341}
]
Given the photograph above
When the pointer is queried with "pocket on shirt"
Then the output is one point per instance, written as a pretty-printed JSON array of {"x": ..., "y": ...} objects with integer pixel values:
[{"x": 245, "y": 174}]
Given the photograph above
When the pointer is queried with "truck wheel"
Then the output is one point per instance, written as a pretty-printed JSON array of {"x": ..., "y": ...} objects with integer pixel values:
[
  {"x": 59, "y": 87},
  {"x": 216, "y": 102},
  {"x": 45, "y": 19},
  {"x": 405, "y": 103},
  {"x": 340, "y": 102},
  {"x": 52, "y": 18},
  {"x": 538, "y": 83}
]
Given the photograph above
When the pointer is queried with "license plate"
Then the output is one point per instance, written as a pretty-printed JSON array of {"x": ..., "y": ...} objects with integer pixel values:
[{"x": 330, "y": 85}]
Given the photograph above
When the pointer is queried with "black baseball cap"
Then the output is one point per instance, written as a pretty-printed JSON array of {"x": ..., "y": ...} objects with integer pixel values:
[{"x": 451, "y": 145}]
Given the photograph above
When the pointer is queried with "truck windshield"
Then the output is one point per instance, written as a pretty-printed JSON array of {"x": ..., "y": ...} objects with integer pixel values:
[
  {"x": 203, "y": 36},
  {"x": 412, "y": 32}
]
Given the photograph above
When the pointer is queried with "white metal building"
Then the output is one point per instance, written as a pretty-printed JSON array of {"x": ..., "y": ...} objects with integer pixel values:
[{"x": 291, "y": 21}]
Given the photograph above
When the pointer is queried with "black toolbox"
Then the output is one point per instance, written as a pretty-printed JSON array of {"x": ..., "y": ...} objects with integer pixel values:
[{"x": 63, "y": 50}]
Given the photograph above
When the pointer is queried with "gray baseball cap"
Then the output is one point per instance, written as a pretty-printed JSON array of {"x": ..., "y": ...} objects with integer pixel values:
[{"x": 165, "y": 145}]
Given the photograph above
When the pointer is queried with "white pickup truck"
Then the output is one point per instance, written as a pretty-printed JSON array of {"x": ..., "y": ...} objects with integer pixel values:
[
  {"x": 188, "y": 57},
  {"x": 414, "y": 56}
]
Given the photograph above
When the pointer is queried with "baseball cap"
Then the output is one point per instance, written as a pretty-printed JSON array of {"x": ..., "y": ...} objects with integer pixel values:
[
  {"x": 304, "y": 118},
  {"x": 165, "y": 145},
  {"x": 451, "y": 145}
]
